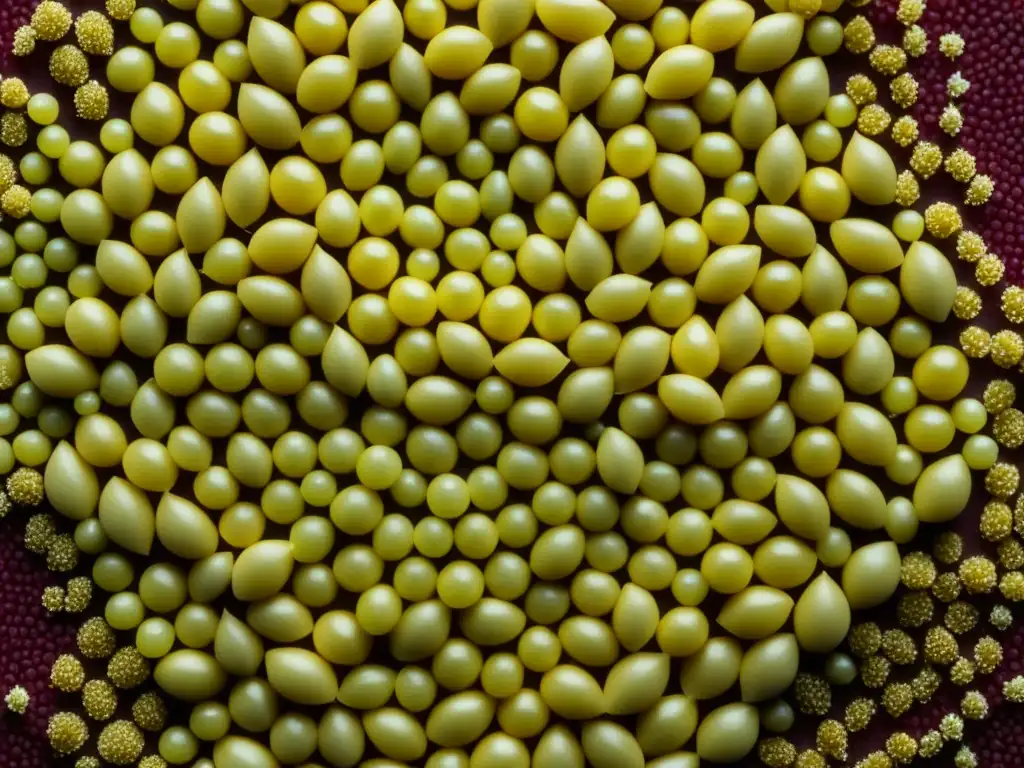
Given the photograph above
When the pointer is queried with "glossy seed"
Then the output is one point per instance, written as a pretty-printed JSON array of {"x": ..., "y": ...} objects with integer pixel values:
[
  {"x": 869, "y": 171},
  {"x": 770, "y": 43},
  {"x": 780, "y": 165},
  {"x": 942, "y": 489},
  {"x": 246, "y": 189},
  {"x": 636, "y": 682},
  {"x": 755, "y": 612},
  {"x": 575, "y": 20},
  {"x": 376, "y": 34},
  {"x": 928, "y": 282},
  {"x": 727, "y": 734},
  {"x": 679, "y": 73},
  {"x": 769, "y": 667}
]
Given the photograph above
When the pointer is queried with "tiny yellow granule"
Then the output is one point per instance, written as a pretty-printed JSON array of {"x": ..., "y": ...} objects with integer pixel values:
[
  {"x": 858, "y": 714},
  {"x": 96, "y": 639},
  {"x": 8, "y": 178},
  {"x": 94, "y": 33},
  {"x": 92, "y": 102},
  {"x": 975, "y": 342},
  {"x": 940, "y": 646},
  {"x": 1008, "y": 430},
  {"x": 946, "y": 588},
  {"x": 961, "y": 165},
  {"x": 79, "y": 594},
  {"x": 989, "y": 270},
  {"x": 876, "y": 759},
  {"x": 925, "y": 683},
  {"x": 904, "y": 90},
  {"x": 13, "y": 129},
  {"x": 908, "y": 190},
  {"x": 1011, "y": 585},
  {"x": 905, "y": 131},
  {"x": 13, "y": 93},
  {"x": 996, "y": 521},
  {"x": 970, "y": 246},
  {"x": 858, "y": 35},
  {"x": 149, "y": 712},
  {"x": 810, "y": 758},
  {"x": 69, "y": 66},
  {"x": 67, "y": 733},
  {"x": 951, "y": 45},
  {"x": 1011, "y": 554},
  {"x": 974, "y": 706},
  {"x": 875, "y": 671},
  {"x": 1001, "y": 617},
  {"x": 1012, "y": 303},
  {"x": 120, "y": 743},
  {"x": 53, "y": 599},
  {"x": 776, "y": 752},
  {"x": 917, "y": 570},
  {"x": 831, "y": 739},
  {"x": 961, "y": 617},
  {"x": 888, "y": 59},
  {"x": 988, "y": 655},
  {"x": 980, "y": 190},
  {"x": 899, "y": 647},
  {"x": 120, "y": 10},
  {"x": 99, "y": 699},
  {"x": 897, "y": 698},
  {"x": 861, "y": 90},
  {"x": 865, "y": 639},
  {"x": 1007, "y": 349},
  {"x": 909, "y": 11},
  {"x": 930, "y": 744},
  {"x": 915, "y": 609},
  {"x": 813, "y": 695},
  {"x": 978, "y": 573},
  {"x": 24, "y": 42},
  {"x": 962, "y": 672},
  {"x": 1013, "y": 690},
  {"x": 951, "y": 727},
  {"x": 957, "y": 86},
  {"x": 999, "y": 395},
  {"x": 942, "y": 220},
  {"x": 17, "y": 700},
  {"x": 901, "y": 747},
  {"x": 128, "y": 668},
  {"x": 24, "y": 485},
  {"x": 967, "y": 303},
  {"x": 873, "y": 120},
  {"x": 951, "y": 120},
  {"x": 67, "y": 674},
  {"x": 915, "y": 41},
  {"x": 926, "y": 159},
  {"x": 62, "y": 554},
  {"x": 51, "y": 20},
  {"x": 965, "y": 758}
]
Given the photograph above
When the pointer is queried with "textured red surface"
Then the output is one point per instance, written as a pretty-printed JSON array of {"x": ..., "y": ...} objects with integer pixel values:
[
  {"x": 29, "y": 642},
  {"x": 993, "y": 108}
]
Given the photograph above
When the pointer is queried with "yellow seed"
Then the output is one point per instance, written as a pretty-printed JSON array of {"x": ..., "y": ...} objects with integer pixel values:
[
  {"x": 770, "y": 43},
  {"x": 679, "y": 73},
  {"x": 457, "y": 52},
  {"x": 276, "y": 54},
  {"x": 376, "y": 34}
]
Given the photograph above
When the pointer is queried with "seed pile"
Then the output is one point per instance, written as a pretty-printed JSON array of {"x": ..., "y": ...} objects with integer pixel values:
[{"x": 515, "y": 370}]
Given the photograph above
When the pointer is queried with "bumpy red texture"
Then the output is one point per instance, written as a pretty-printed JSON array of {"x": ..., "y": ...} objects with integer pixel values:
[
  {"x": 29, "y": 642},
  {"x": 993, "y": 108}
]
